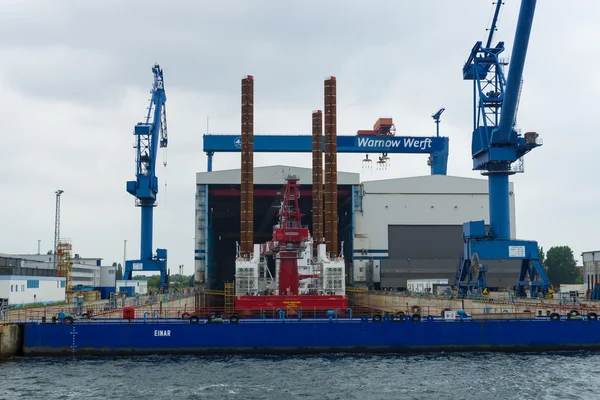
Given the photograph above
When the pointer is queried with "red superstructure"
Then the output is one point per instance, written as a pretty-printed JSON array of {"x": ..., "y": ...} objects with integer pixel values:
[
  {"x": 288, "y": 245},
  {"x": 289, "y": 238}
]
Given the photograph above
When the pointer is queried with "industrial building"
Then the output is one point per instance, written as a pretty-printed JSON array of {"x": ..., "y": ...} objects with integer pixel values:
[
  {"x": 218, "y": 214},
  {"x": 411, "y": 228},
  {"x": 393, "y": 230},
  {"x": 84, "y": 271},
  {"x": 22, "y": 283},
  {"x": 591, "y": 270}
]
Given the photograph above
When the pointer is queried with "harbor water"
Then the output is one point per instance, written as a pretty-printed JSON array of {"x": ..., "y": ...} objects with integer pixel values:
[{"x": 495, "y": 376}]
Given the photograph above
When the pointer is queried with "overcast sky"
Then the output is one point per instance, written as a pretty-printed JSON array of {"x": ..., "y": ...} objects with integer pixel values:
[{"x": 75, "y": 78}]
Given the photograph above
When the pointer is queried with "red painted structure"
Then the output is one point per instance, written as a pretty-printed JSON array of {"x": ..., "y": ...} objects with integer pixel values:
[
  {"x": 383, "y": 127},
  {"x": 291, "y": 303},
  {"x": 288, "y": 272},
  {"x": 289, "y": 238}
]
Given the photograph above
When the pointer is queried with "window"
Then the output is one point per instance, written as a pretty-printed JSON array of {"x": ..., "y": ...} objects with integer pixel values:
[
  {"x": 83, "y": 278},
  {"x": 33, "y": 284},
  {"x": 62, "y": 284},
  {"x": 22, "y": 288},
  {"x": 11, "y": 288}
]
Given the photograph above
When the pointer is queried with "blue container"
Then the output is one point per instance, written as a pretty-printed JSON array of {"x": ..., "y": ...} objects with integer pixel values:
[
  {"x": 128, "y": 290},
  {"x": 105, "y": 291}
]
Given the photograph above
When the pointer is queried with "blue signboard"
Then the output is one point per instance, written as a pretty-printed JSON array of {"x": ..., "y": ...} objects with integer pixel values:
[{"x": 345, "y": 144}]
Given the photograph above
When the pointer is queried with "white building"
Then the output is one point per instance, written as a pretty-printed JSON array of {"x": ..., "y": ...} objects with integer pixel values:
[
  {"x": 591, "y": 269},
  {"x": 108, "y": 276},
  {"x": 84, "y": 271},
  {"x": 27, "y": 290},
  {"x": 409, "y": 228},
  {"x": 23, "y": 284},
  {"x": 141, "y": 287}
]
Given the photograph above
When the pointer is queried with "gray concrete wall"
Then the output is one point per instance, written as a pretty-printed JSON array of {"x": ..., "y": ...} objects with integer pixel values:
[{"x": 10, "y": 340}]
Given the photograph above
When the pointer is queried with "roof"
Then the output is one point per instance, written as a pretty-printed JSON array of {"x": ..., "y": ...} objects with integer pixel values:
[
  {"x": 429, "y": 184},
  {"x": 269, "y": 175}
]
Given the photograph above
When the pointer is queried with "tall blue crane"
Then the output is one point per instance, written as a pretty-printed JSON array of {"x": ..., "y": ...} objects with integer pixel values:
[
  {"x": 148, "y": 136},
  {"x": 496, "y": 145}
]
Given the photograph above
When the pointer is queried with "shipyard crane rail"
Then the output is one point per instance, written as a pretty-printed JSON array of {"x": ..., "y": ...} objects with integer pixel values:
[
  {"x": 149, "y": 135},
  {"x": 496, "y": 145}
]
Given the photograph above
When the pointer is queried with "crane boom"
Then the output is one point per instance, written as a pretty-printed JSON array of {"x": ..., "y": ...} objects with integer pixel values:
[
  {"x": 488, "y": 43},
  {"x": 496, "y": 145},
  {"x": 505, "y": 132},
  {"x": 148, "y": 136}
]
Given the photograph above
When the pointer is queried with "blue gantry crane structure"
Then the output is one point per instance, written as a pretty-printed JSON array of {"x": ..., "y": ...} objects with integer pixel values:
[
  {"x": 435, "y": 146},
  {"x": 497, "y": 150},
  {"x": 149, "y": 135}
]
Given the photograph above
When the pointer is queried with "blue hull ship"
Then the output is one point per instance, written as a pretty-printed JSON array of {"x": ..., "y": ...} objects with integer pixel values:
[{"x": 303, "y": 336}]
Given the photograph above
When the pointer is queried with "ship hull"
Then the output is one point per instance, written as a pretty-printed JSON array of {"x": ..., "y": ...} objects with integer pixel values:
[{"x": 306, "y": 336}]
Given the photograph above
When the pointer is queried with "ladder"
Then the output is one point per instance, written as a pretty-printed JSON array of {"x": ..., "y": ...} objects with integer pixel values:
[{"x": 229, "y": 298}]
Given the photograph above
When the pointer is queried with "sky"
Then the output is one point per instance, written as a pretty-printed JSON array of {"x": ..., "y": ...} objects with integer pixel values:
[{"x": 75, "y": 78}]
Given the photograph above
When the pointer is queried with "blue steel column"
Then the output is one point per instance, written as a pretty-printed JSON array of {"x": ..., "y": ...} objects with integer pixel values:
[
  {"x": 499, "y": 206},
  {"x": 439, "y": 159},
  {"x": 210, "y": 161},
  {"x": 146, "y": 239}
]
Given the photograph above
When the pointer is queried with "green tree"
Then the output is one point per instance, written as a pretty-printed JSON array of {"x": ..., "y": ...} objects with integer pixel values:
[
  {"x": 119, "y": 273},
  {"x": 560, "y": 264},
  {"x": 542, "y": 256},
  {"x": 153, "y": 281}
]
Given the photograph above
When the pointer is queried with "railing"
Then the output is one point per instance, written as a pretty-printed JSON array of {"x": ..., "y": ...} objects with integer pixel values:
[
  {"x": 163, "y": 314},
  {"x": 183, "y": 306},
  {"x": 101, "y": 309}
]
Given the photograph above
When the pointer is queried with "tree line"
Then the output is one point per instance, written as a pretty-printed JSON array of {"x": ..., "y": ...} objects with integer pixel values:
[{"x": 560, "y": 265}]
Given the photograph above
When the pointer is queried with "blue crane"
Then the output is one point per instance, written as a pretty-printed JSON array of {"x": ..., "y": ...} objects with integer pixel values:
[
  {"x": 148, "y": 136},
  {"x": 496, "y": 145}
]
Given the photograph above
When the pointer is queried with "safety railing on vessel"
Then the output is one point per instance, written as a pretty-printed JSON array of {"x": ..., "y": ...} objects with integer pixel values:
[
  {"x": 160, "y": 313},
  {"x": 99, "y": 309}
]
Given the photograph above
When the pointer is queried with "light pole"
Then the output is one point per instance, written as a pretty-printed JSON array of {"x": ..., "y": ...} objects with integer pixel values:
[
  {"x": 124, "y": 259},
  {"x": 57, "y": 223},
  {"x": 436, "y": 119}
]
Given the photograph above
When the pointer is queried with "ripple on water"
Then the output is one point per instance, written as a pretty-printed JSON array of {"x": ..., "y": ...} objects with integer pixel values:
[{"x": 423, "y": 376}]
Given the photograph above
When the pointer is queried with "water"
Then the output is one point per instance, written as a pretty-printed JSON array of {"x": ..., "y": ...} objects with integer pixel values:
[{"x": 439, "y": 376}]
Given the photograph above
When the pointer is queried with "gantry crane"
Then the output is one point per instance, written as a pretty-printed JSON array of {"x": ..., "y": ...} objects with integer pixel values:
[
  {"x": 148, "y": 136},
  {"x": 496, "y": 145}
]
